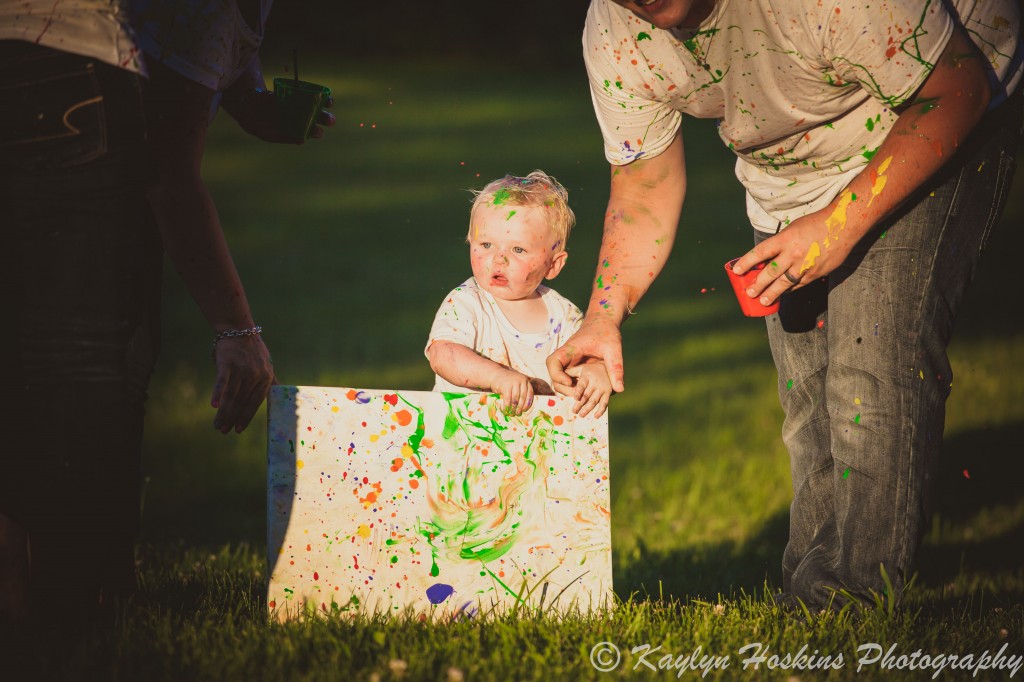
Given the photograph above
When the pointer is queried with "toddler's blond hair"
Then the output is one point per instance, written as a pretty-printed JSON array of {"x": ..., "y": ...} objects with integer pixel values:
[{"x": 538, "y": 189}]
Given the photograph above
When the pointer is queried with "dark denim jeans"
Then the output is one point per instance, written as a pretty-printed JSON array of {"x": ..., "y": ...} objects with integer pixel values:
[
  {"x": 80, "y": 267},
  {"x": 864, "y": 376}
]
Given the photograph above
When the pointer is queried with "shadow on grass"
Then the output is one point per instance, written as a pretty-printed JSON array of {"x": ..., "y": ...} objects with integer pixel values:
[
  {"x": 704, "y": 572},
  {"x": 978, "y": 534},
  {"x": 978, "y": 486}
]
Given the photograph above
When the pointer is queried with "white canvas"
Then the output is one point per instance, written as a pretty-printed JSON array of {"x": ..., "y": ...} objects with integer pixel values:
[{"x": 434, "y": 504}]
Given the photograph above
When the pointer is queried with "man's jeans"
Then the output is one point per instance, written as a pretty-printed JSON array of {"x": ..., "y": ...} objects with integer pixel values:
[
  {"x": 864, "y": 376},
  {"x": 79, "y": 280}
]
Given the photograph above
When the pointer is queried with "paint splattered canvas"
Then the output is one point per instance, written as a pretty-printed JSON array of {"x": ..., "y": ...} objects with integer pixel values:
[{"x": 435, "y": 504}]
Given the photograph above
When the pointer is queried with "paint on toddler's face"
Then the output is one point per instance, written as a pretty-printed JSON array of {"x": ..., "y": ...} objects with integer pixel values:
[{"x": 511, "y": 250}]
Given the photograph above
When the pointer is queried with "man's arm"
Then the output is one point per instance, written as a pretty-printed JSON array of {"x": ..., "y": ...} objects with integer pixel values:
[
  {"x": 639, "y": 228},
  {"x": 927, "y": 132},
  {"x": 178, "y": 111}
]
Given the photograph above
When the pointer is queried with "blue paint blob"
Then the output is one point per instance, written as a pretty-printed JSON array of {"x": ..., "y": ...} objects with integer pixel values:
[{"x": 438, "y": 592}]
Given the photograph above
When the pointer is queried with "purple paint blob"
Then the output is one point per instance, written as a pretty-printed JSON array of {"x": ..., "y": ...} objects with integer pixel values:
[
  {"x": 362, "y": 398},
  {"x": 438, "y": 592}
]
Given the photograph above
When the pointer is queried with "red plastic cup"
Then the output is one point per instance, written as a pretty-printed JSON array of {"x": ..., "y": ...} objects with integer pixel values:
[{"x": 751, "y": 307}]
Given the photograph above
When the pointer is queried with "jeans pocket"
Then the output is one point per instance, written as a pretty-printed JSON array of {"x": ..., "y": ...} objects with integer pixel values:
[{"x": 51, "y": 120}]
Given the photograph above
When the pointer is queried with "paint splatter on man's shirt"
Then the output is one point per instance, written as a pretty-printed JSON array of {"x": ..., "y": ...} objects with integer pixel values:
[{"x": 803, "y": 92}]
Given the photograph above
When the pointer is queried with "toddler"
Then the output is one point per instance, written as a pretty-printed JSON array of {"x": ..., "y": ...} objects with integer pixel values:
[{"x": 494, "y": 332}]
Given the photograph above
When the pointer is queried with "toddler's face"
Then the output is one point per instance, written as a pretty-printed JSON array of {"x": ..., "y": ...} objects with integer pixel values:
[{"x": 512, "y": 250}]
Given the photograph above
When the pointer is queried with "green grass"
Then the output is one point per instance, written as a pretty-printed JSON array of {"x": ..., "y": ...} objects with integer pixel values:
[{"x": 347, "y": 246}]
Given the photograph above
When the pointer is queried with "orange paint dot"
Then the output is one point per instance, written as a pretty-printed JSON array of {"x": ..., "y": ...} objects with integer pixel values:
[
  {"x": 558, "y": 420},
  {"x": 351, "y": 395},
  {"x": 403, "y": 417}
]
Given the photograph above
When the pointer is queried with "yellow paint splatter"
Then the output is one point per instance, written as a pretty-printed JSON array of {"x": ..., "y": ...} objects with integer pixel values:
[
  {"x": 810, "y": 258},
  {"x": 299, "y": 464},
  {"x": 334, "y": 408},
  {"x": 836, "y": 222},
  {"x": 856, "y": 401},
  {"x": 880, "y": 180},
  {"x": 374, "y": 438},
  {"x": 363, "y": 531},
  {"x": 407, "y": 450}
]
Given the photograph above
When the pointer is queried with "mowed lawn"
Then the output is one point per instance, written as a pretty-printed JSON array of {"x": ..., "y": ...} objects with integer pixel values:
[{"x": 347, "y": 245}]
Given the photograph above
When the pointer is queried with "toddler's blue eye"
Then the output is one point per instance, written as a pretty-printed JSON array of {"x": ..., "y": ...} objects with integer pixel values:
[{"x": 518, "y": 249}]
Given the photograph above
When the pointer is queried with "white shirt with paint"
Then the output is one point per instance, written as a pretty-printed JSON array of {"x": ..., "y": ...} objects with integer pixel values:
[
  {"x": 206, "y": 41},
  {"x": 90, "y": 28},
  {"x": 803, "y": 91},
  {"x": 470, "y": 316}
]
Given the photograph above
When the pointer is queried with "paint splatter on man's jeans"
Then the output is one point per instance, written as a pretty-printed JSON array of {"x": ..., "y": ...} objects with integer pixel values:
[
  {"x": 79, "y": 276},
  {"x": 864, "y": 376}
]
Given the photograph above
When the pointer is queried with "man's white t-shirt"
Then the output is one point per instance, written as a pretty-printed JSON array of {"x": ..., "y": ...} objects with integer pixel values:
[
  {"x": 470, "y": 316},
  {"x": 804, "y": 91}
]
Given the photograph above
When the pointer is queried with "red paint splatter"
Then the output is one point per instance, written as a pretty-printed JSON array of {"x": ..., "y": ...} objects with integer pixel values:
[{"x": 967, "y": 475}]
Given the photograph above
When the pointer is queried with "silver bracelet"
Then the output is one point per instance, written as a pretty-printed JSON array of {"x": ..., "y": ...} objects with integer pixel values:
[{"x": 234, "y": 333}]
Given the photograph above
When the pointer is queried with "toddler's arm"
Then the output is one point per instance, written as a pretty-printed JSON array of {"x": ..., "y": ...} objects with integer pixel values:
[
  {"x": 462, "y": 366},
  {"x": 593, "y": 388}
]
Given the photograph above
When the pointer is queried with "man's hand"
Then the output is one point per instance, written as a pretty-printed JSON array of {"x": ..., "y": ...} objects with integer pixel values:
[
  {"x": 803, "y": 250},
  {"x": 598, "y": 339}
]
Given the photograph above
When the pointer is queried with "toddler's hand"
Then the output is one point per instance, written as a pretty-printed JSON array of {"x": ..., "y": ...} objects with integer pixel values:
[
  {"x": 516, "y": 391},
  {"x": 593, "y": 388}
]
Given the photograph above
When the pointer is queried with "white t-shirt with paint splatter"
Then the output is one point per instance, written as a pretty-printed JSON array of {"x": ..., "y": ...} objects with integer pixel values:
[
  {"x": 471, "y": 317},
  {"x": 91, "y": 28},
  {"x": 804, "y": 91}
]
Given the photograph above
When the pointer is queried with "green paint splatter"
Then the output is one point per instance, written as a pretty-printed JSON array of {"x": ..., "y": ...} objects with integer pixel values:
[
  {"x": 510, "y": 214},
  {"x": 600, "y": 282},
  {"x": 856, "y": 420},
  {"x": 789, "y": 384},
  {"x": 846, "y": 474},
  {"x": 500, "y": 197},
  {"x": 643, "y": 36}
]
